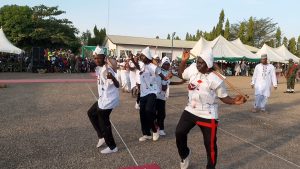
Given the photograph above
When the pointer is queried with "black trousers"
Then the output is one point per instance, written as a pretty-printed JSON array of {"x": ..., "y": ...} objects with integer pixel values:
[
  {"x": 209, "y": 131},
  {"x": 138, "y": 98},
  {"x": 147, "y": 114},
  {"x": 101, "y": 123},
  {"x": 160, "y": 113}
]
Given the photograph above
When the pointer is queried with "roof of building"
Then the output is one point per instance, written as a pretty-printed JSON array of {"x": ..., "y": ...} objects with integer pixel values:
[{"x": 130, "y": 40}]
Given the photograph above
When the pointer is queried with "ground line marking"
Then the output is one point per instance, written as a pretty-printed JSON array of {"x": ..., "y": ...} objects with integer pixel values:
[
  {"x": 254, "y": 145},
  {"x": 116, "y": 131},
  {"x": 262, "y": 149}
]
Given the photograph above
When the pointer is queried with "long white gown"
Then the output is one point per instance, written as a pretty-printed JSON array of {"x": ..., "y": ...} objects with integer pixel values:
[{"x": 264, "y": 77}]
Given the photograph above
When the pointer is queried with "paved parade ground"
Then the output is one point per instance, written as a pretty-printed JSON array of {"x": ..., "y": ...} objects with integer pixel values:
[{"x": 45, "y": 125}]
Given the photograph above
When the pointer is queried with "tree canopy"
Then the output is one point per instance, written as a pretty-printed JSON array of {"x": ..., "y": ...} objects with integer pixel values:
[
  {"x": 97, "y": 39},
  {"x": 27, "y": 27}
]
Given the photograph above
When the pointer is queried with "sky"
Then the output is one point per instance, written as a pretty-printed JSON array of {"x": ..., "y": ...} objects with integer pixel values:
[{"x": 151, "y": 18}]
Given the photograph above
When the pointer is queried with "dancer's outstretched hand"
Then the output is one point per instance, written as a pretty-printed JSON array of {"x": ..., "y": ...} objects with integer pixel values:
[{"x": 239, "y": 99}]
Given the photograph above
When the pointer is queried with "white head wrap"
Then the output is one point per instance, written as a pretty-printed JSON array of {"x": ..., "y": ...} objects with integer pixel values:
[
  {"x": 147, "y": 53},
  {"x": 207, "y": 56},
  {"x": 98, "y": 51},
  {"x": 164, "y": 60}
]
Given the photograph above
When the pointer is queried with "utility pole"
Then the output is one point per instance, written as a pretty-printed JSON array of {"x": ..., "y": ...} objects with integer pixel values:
[
  {"x": 108, "y": 6},
  {"x": 173, "y": 35}
]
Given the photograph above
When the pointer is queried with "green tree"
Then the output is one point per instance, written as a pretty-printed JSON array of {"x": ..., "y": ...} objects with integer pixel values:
[
  {"x": 187, "y": 36},
  {"x": 241, "y": 33},
  {"x": 278, "y": 37},
  {"x": 264, "y": 30},
  {"x": 17, "y": 24},
  {"x": 169, "y": 36},
  {"x": 177, "y": 38},
  {"x": 213, "y": 34},
  {"x": 99, "y": 37},
  {"x": 38, "y": 26},
  {"x": 285, "y": 41},
  {"x": 52, "y": 32},
  {"x": 227, "y": 30},
  {"x": 85, "y": 37},
  {"x": 219, "y": 27},
  {"x": 250, "y": 32},
  {"x": 271, "y": 43},
  {"x": 207, "y": 36},
  {"x": 292, "y": 46},
  {"x": 199, "y": 34},
  {"x": 157, "y": 37}
]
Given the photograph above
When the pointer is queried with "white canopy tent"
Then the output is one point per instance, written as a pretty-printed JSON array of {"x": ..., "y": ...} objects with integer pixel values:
[
  {"x": 225, "y": 50},
  {"x": 273, "y": 56},
  {"x": 286, "y": 54},
  {"x": 238, "y": 43},
  {"x": 6, "y": 46}
]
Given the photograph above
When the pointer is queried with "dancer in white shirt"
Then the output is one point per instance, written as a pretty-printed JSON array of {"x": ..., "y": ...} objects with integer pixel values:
[
  {"x": 162, "y": 95},
  {"x": 148, "y": 90},
  {"x": 108, "y": 99},
  {"x": 202, "y": 108}
]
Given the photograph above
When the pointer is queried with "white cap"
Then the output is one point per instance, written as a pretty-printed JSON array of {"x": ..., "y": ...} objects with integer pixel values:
[
  {"x": 164, "y": 60},
  {"x": 147, "y": 53},
  {"x": 264, "y": 56},
  {"x": 207, "y": 56},
  {"x": 98, "y": 51}
]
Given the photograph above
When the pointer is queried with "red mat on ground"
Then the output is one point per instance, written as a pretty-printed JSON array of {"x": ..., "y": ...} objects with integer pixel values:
[{"x": 146, "y": 166}]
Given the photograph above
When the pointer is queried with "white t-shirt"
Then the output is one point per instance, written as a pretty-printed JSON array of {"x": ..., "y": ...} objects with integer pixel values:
[
  {"x": 162, "y": 95},
  {"x": 203, "y": 90},
  {"x": 138, "y": 78},
  {"x": 148, "y": 79},
  {"x": 108, "y": 93}
]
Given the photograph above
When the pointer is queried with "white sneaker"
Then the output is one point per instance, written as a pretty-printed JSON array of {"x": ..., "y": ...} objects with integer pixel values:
[
  {"x": 162, "y": 132},
  {"x": 184, "y": 164},
  {"x": 137, "y": 106},
  {"x": 145, "y": 137},
  {"x": 100, "y": 142},
  {"x": 107, "y": 150},
  {"x": 155, "y": 136}
]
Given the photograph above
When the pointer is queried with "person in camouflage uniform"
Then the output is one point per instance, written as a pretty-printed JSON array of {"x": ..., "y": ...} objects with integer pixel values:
[{"x": 291, "y": 76}]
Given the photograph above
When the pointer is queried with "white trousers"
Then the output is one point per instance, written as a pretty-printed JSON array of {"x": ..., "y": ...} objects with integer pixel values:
[
  {"x": 125, "y": 80},
  {"x": 260, "y": 102}
]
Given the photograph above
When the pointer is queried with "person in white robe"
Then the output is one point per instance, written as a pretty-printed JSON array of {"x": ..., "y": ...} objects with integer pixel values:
[
  {"x": 264, "y": 77},
  {"x": 119, "y": 71},
  {"x": 237, "y": 69},
  {"x": 124, "y": 79},
  {"x": 132, "y": 76}
]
